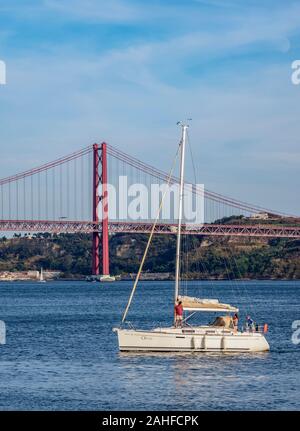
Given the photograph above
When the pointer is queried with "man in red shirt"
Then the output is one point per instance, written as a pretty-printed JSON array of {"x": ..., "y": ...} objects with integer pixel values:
[{"x": 178, "y": 314}]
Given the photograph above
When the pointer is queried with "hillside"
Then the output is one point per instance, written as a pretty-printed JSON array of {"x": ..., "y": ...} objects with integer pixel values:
[{"x": 204, "y": 257}]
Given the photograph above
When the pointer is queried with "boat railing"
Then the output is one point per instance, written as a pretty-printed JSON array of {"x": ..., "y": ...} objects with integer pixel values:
[
  {"x": 262, "y": 329},
  {"x": 130, "y": 325}
]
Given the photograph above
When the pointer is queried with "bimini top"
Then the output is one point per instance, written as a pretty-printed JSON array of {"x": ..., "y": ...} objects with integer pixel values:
[{"x": 196, "y": 304}]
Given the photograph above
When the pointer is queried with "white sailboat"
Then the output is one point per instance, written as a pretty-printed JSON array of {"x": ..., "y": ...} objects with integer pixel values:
[
  {"x": 41, "y": 276},
  {"x": 220, "y": 336}
]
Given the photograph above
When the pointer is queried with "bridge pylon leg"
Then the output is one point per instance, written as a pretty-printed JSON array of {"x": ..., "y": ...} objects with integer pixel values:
[
  {"x": 96, "y": 201},
  {"x": 104, "y": 242},
  {"x": 104, "y": 197}
]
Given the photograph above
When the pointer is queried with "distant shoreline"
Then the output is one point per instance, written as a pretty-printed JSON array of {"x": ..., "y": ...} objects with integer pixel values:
[{"x": 149, "y": 280}]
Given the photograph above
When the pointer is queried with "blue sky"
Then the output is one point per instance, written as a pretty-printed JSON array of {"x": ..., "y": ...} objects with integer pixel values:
[{"x": 126, "y": 71}]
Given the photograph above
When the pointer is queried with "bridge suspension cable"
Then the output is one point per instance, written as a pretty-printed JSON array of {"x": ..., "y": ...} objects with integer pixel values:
[
  {"x": 216, "y": 197},
  {"x": 62, "y": 189}
]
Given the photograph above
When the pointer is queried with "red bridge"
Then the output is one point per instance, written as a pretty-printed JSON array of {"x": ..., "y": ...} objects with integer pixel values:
[{"x": 70, "y": 195}]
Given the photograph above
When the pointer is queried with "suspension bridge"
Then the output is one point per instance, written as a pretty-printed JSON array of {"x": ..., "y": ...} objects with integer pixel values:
[{"x": 71, "y": 195}]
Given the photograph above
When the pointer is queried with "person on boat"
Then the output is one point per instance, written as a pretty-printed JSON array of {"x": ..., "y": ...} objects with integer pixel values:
[
  {"x": 249, "y": 324},
  {"x": 235, "y": 320},
  {"x": 178, "y": 314}
]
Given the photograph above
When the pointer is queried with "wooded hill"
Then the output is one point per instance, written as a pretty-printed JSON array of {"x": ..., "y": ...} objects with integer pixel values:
[{"x": 203, "y": 257}]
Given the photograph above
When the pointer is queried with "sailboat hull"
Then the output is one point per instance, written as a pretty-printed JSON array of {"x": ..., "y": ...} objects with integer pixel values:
[{"x": 201, "y": 340}]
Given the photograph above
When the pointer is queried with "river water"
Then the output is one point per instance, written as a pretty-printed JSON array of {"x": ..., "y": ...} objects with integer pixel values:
[{"x": 61, "y": 353}]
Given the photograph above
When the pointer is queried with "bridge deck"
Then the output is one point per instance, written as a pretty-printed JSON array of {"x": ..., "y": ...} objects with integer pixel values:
[{"x": 66, "y": 226}]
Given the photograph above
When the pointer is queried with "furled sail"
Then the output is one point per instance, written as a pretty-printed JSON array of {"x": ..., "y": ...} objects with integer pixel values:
[{"x": 196, "y": 304}]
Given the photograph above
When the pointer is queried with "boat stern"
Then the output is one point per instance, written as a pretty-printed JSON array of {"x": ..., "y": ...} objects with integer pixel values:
[{"x": 262, "y": 344}]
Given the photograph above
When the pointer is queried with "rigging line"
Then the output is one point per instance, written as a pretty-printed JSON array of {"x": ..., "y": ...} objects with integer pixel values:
[
  {"x": 150, "y": 238},
  {"x": 195, "y": 181},
  {"x": 188, "y": 275},
  {"x": 204, "y": 268},
  {"x": 192, "y": 157},
  {"x": 244, "y": 289},
  {"x": 185, "y": 269},
  {"x": 209, "y": 194},
  {"x": 229, "y": 268},
  {"x": 236, "y": 282},
  {"x": 193, "y": 241}
]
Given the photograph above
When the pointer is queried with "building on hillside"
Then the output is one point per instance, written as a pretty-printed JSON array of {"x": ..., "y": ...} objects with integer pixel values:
[{"x": 265, "y": 216}]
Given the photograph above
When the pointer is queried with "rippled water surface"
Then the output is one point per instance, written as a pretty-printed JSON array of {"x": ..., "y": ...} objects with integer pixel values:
[{"x": 61, "y": 353}]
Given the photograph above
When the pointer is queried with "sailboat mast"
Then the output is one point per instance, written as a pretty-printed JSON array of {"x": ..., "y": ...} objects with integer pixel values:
[{"x": 184, "y": 128}]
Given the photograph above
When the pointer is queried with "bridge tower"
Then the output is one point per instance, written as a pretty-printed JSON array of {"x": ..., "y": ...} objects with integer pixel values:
[{"x": 100, "y": 159}]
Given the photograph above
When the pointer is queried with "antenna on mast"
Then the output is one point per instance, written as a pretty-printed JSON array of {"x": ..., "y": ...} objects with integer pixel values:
[{"x": 184, "y": 123}]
